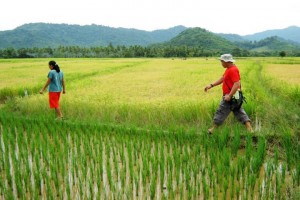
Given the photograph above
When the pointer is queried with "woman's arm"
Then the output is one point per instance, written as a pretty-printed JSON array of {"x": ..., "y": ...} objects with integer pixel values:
[
  {"x": 46, "y": 85},
  {"x": 64, "y": 86}
]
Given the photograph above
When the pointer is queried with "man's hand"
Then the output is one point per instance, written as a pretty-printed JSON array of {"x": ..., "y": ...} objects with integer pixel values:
[
  {"x": 208, "y": 87},
  {"x": 227, "y": 97}
]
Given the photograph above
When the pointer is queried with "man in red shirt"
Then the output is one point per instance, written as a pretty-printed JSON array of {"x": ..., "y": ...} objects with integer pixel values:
[{"x": 230, "y": 84}]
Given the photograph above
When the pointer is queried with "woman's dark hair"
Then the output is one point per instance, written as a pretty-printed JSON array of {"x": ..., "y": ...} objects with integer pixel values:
[{"x": 54, "y": 65}]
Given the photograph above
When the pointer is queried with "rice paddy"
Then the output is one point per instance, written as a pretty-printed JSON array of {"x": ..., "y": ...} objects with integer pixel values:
[{"x": 136, "y": 129}]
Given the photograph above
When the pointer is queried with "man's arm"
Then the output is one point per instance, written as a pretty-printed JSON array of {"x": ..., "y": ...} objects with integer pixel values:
[
  {"x": 218, "y": 82},
  {"x": 234, "y": 88}
]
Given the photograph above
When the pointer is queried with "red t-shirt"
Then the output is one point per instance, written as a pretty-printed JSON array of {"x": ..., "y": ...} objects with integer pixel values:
[{"x": 231, "y": 75}]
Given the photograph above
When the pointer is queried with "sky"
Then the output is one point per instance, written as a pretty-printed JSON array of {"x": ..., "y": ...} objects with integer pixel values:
[{"x": 241, "y": 17}]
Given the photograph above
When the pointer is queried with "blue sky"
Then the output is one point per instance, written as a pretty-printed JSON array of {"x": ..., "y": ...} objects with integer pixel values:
[{"x": 220, "y": 16}]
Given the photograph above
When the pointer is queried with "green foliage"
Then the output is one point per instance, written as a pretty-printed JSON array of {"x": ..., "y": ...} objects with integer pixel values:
[
  {"x": 62, "y": 40},
  {"x": 274, "y": 44},
  {"x": 282, "y": 54},
  {"x": 152, "y": 144},
  {"x": 205, "y": 40},
  {"x": 44, "y": 35}
]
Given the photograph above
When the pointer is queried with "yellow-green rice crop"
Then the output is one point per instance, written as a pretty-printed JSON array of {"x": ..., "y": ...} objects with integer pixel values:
[
  {"x": 141, "y": 92},
  {"x": 136, "y": 129},
  {"x": 136, "y": 91}
]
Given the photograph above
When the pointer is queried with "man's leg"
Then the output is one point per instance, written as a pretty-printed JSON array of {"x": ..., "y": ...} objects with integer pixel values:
[
  {"x": 221, "y": 114},
  {"x": 248, "y": 126},
  {"x": 242, "y": 116}
]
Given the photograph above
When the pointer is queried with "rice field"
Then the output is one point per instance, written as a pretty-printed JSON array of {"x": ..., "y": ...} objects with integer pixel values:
[{"x": 136, "y": 129}]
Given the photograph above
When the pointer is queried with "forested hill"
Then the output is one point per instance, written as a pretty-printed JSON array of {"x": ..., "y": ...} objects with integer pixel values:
[
  {"x": 189, "y": 41},
  {"x": 291, "y": 33},
  {"x": 206, "y": 40},
  {"x": 54, "y": 35}
]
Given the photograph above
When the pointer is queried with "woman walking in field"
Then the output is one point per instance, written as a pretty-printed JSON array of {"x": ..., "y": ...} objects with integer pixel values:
[
  {"x": 230, "y": 84},
  {"x": 56, "y": 84}
]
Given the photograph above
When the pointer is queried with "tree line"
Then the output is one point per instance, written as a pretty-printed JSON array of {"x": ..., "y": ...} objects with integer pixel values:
[{"x": 135, "y": 51}]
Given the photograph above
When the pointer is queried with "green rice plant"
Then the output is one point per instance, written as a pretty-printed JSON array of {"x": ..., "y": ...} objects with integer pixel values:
[
  {"x": 153, "y": 186},
  {"x": 91, "y": 190},
  {"x": 288, "y": 150},
  {"x": 232, "y": 187},
  {"x": 225, "y": 187},
  {"x": 49, "y": 190},
  {"x": 237, "y": 192},
  {"x": 219, "y": 170},
  {"x": 38, "y": 181},
  {"x": 283, "y": 171},
  {"x": 248, "y": 147},
  {"x": 109, "y": 174},
  {"x": 236, "y": 142},
  {"x": 68, "y": 189},
  {"x": 258, "y": 158},
  {"x": 123, "y": 174},
  {"x": 241, "y": 167},
  {"x": 297, "y": 174},
  {"x": 8, "y": 193},
  {"x": 181, "y": 191},
  {"x": 276, "y": 157},
  {"x": 170, "y": 183},
  {"x": 222, "y": 139},
  {"x": 207, "y": 192},
  {"x": 213, "y": 158},
  {"x": 211, "y": 176},
  {"x": 162, "y": 173},
  {"x": 8, "y": 174},
  {"x": 2, "y": 185},
  {"x": 252, "y": 184},
  {"x": 131, "y": 162},
  {"x": 268, "y": 179},
  {"x": 226, "y": 161},
  {"x": 27, "y": 177},
  {"x": 2, "y": 153},
  {"x": 81, "y": 190},
  {"x": 215, "y": 190},
  {"x": 56, "y": 183},
  {"x": 146, "y": 170},
  {"x": 277, "y": 185},
  {"x": 18, "y": 180},
  {"x": 187, "y": 179}
]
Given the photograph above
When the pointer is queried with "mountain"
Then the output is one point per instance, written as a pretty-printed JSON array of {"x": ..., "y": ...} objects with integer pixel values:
[
  {"x": 208, "y": 41},
  {"x": 198, "y": 37},
  {"x": 233, "y": 37},
  {"x": 274, "y": 43},
  {"x": 54, "y": 35},
  {"x": 44, "y": 35},
  {"x": 291, "y": 33},
  {"x": 271, "y": 40}
]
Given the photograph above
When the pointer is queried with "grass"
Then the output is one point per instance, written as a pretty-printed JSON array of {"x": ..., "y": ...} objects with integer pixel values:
[
  {"x": 131, "y": 91},
  {"x": 137, "y": 127},
  {"x": 154, "y": 93}
]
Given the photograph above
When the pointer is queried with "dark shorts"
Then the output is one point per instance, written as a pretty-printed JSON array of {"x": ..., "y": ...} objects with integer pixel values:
[
  {"x": 224, "y": 110},
  {"x": 54, "y": 99}
]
